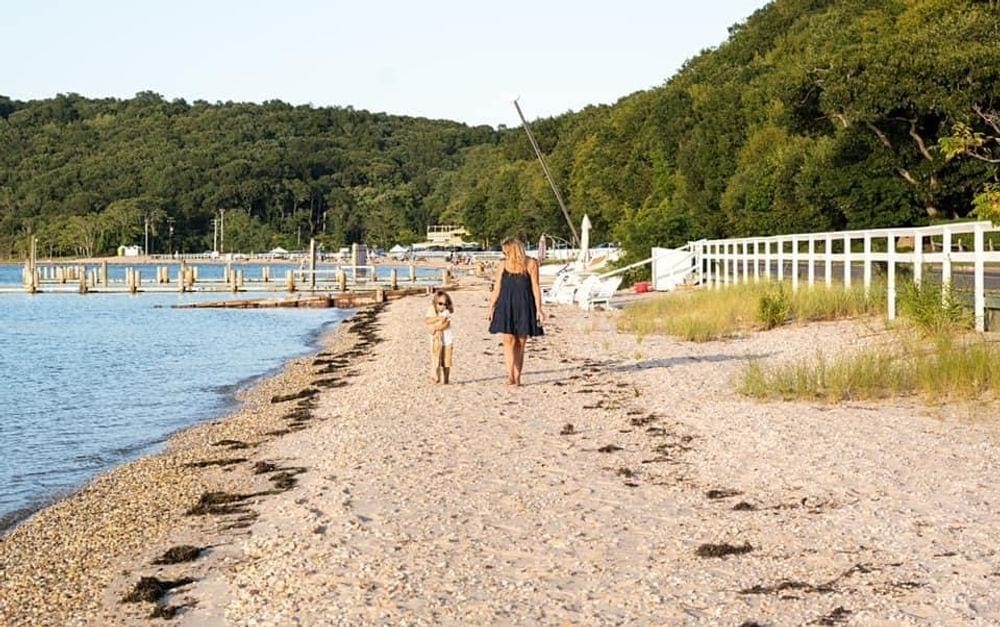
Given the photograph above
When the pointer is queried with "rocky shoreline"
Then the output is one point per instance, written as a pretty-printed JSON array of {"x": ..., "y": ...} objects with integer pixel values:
[{"x": 74, "y": 561}]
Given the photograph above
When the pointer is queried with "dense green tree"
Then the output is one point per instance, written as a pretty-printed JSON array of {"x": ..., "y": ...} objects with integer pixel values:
[{"x": 137, "y": 165}]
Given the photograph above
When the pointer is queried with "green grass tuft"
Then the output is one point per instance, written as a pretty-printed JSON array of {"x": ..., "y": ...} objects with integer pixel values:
[
  {"x": 708, "y": 314},
  {"x": 933, "y": 309},
  {"x": 937, "y": 371}
]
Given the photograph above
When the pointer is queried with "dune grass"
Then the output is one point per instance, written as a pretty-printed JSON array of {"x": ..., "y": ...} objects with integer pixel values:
[
  {"x": 710, "y": 314},
  {"x": 937, "y": 370},
  {"x": 931, "y": 355}
]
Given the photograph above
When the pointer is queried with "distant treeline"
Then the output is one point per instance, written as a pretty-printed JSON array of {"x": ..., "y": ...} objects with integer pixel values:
[{"x": 813, "y": 115}]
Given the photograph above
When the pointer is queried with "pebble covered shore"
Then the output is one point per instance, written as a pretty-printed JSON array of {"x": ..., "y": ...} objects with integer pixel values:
[{"x": 626, "y": 481}]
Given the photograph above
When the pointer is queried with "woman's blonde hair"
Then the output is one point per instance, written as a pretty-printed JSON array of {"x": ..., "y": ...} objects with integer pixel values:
[{"x": 515, "y": 260}]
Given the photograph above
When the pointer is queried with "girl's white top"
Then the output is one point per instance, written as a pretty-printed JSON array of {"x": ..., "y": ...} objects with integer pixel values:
[{"x": 447, "y": 336}]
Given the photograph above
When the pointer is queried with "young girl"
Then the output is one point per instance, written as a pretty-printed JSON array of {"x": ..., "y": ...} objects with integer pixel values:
[{"x": 438, "y": 321}]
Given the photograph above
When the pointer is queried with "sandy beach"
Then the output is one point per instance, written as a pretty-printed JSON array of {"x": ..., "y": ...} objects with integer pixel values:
[{"x": 626, "y": 481}]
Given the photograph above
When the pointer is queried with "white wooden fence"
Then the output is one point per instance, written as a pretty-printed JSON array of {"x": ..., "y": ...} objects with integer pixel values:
[{"x": 733, "y": 261}]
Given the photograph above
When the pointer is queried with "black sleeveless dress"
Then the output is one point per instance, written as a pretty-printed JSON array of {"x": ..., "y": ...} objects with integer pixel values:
[{"x": 515, "y": 311}]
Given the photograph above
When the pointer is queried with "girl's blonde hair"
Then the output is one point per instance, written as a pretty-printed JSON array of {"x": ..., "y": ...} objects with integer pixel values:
[
  {"x": 515, "y": 259},
  {"x": 447, "y": 300}
]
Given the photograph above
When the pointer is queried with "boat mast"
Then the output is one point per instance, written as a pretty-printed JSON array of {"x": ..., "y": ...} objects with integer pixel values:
[{"x": 548, "y": 175}]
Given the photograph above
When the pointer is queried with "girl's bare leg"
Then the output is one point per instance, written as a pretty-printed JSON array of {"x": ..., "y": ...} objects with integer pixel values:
[{"x": 436, "y": 355}]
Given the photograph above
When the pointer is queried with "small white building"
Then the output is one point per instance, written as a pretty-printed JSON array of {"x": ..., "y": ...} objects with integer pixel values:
[{"x": 130, "y": 251}]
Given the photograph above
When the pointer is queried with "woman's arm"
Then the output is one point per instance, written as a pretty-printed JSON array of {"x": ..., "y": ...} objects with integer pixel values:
[
  {"x": 536, "y": 288},
  {"x": 495, "y": 294}
]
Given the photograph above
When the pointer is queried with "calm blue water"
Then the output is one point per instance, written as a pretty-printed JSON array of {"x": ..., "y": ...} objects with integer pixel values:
[{"x": 89, "y": 382}]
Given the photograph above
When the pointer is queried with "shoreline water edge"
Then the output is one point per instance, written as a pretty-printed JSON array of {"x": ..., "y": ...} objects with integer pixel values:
[
  {"x": 625, "y": 481},
  {"x": 230, "y": 401},
  {"x": 56, "y": 564}
]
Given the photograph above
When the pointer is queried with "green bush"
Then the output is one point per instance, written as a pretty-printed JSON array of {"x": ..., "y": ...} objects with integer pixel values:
[
  {"x": 773, "y": 308},
  {"x": 932, "y": 308}
]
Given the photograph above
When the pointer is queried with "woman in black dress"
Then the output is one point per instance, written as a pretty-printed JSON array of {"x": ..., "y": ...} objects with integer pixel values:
[{"x": 516, "y": 306}]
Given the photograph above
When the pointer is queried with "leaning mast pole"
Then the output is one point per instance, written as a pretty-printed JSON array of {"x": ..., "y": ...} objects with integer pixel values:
[{"x": 548, "y": 175}]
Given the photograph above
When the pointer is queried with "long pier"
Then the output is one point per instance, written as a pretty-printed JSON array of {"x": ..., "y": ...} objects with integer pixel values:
[{"x": 182, "y": 277}]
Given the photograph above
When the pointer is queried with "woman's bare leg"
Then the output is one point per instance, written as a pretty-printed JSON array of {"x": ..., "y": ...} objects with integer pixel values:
[
  {"x": 519, "y": 344},
  {"x": 509, "y": 346}
]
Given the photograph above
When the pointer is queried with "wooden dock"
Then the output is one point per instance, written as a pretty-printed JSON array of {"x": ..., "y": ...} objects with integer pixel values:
[{"x": 345, "y": 283}]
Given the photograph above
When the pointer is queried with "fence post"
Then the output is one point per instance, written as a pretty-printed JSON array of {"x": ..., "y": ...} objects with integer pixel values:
[
  {"x": 767, "y": 259},
  {"x": 393, "y": 279},
  {"x": 918, "y": 257},
  {"x": 734, "y": 264},
  {"x": 945, "y": 264},
  {"x": 811, "y": 251},
  {"x": 756, "y": 261},
  {"x": 848, "y": 257},
  {"x": 312, "y": 264},
  {"x": 868, "y": 262},
  {"x": 719, "y": 260},
  {"x": 890, "y": 302},
  {"x": 746, "y": 261},
  {"x": 708, "y": 258},
  {"x": 781, "y": 259},
  {"x": 979, "y": 270},
  {"x": 726, "y": 257},
  {"x": 828, "y": 261},
  {"x": 795, "y": 264}
]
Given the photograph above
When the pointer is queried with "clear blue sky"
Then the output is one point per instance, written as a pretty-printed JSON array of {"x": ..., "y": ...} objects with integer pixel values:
[{"x": 459, "y": 60}]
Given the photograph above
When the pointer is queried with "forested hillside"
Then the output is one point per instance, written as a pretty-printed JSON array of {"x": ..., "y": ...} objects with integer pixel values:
[
  {"x": 89, "y": 175},
  {"x": 813, "y": 115}
]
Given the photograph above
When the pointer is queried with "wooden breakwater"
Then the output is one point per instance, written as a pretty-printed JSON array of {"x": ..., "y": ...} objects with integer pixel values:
[{"x": 346, "y": 300}]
